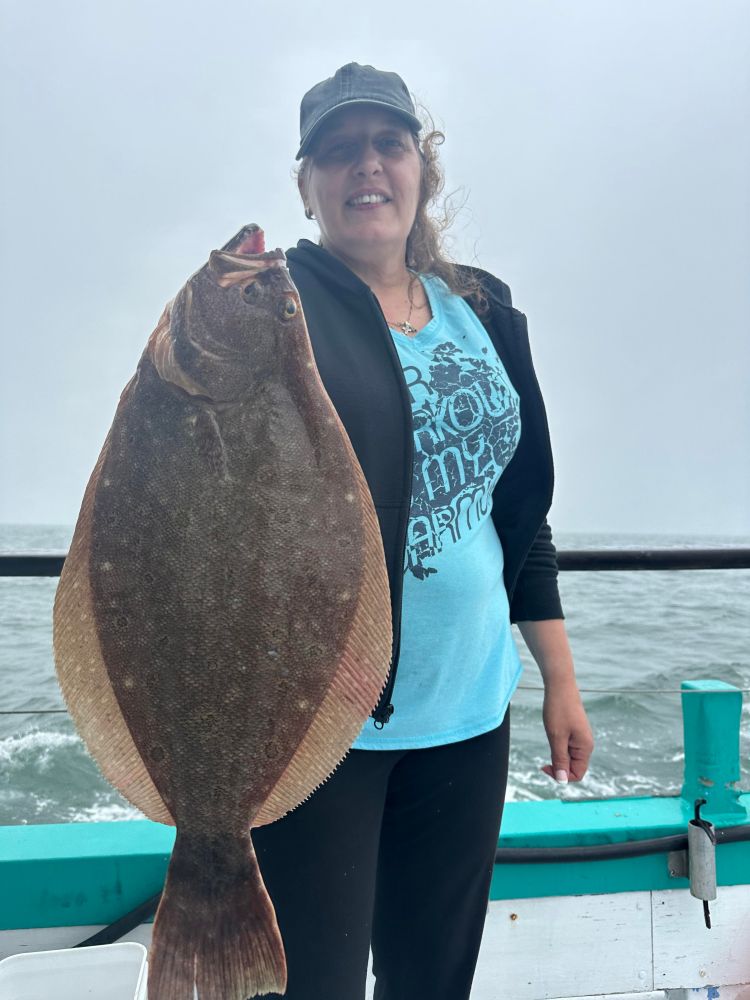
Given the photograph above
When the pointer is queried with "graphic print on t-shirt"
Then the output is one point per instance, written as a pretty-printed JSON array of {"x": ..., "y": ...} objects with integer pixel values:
[{"x": 466, "y": 427}]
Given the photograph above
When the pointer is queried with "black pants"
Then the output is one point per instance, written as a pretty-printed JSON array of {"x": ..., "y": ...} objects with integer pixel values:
[{"x": 395, "y": 850}]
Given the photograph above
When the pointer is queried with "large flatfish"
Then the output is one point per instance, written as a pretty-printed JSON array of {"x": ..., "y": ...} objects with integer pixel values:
[{"x": 222, "y": 626}]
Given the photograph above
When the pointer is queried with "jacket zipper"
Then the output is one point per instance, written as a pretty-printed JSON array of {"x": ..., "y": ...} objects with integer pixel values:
[{"x": 384, "y": 709}]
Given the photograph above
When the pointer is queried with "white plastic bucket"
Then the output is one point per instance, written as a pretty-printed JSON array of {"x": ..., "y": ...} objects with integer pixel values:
[{"x": 105, "y": 972}]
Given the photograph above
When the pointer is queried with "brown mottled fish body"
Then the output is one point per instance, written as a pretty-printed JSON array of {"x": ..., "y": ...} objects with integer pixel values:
[{"x": 222, "y": 624}]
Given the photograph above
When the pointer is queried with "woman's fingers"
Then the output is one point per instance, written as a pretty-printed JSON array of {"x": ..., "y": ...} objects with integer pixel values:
[
  {"x": 569, "y": 735},
  {"x": 579, "y": 761},
  {"x": 559, "y": 774}
]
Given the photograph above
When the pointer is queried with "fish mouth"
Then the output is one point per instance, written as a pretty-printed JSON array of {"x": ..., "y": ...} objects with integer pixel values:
[
  {"x": 249, "y": 240},
  {"x": 231, "y": 267},
  {"x": 268, "y": 257}
]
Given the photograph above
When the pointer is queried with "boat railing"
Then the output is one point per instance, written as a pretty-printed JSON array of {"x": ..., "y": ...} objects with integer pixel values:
[{"x": 568, "y": 560}]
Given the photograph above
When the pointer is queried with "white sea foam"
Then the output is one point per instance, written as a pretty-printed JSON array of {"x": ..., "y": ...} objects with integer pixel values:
[
  {"x": 532, "y": 785},
  {"x": 39, "y": 744},
  {"x": 515, "y": 794},
  {"x": 105, "y": 812}
]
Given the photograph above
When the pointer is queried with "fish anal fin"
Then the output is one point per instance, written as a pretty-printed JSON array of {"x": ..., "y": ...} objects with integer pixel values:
[{"x": 83, "y": 676}]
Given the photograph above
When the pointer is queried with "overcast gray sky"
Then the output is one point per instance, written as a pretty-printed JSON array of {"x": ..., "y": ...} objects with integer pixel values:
[{"x": 602, "y": 146}]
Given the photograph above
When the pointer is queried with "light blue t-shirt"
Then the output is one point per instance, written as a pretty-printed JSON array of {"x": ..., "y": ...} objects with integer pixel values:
[{"x": 459, "y": 664}]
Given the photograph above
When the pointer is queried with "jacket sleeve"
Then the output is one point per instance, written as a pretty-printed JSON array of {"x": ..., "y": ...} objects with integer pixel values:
[{"x": 536, "y": 597}]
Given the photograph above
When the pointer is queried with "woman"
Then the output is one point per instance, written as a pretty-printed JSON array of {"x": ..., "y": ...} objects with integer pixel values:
[{"x": 428, "y": 366}]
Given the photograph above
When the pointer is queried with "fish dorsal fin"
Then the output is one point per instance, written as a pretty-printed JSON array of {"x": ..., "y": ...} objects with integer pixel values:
[{"x": 359, "y": 675}]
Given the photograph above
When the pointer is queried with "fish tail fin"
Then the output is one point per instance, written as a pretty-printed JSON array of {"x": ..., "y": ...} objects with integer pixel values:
[{"x": 216, "y": 926}]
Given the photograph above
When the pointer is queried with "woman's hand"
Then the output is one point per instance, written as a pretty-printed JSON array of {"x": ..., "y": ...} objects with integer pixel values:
[
  {"x": 571, "y": 741},
  {"x": 568, "y": 731}
]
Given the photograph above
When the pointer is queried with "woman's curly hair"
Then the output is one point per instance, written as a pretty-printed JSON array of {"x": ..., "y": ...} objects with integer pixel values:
[{"x": 425, "y": 249}]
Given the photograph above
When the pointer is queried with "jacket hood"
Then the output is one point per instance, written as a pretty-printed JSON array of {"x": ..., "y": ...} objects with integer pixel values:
[
  {"x": 325, "y": 266},
  {"x": 330, "y": 269}
]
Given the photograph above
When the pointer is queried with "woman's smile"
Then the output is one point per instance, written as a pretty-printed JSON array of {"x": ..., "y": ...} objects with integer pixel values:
[{"x": 368, "y": 199}]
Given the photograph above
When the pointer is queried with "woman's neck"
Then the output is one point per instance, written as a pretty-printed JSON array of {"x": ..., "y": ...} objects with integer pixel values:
[
  {"x": 401, "y": 297},
  {"x": 385, "y": 276}
]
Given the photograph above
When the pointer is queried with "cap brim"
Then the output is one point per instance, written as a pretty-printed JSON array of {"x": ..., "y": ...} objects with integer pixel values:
[{"x": 307, "y": 140}]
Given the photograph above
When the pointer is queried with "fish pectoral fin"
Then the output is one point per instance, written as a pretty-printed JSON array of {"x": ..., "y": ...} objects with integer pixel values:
[{"x": 209, "y": 442}]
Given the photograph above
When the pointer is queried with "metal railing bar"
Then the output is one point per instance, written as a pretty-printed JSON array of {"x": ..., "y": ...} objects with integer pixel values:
[
  {"x": 570, "y": 560},
  {"x": 587, "y": 560}
]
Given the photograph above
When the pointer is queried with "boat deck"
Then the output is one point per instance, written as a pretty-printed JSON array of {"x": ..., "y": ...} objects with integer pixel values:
[{"x": 655, "y": 943}]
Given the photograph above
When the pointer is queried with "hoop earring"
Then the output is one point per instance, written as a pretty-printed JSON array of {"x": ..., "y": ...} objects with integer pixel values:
[{"x": 308, "y": 213}]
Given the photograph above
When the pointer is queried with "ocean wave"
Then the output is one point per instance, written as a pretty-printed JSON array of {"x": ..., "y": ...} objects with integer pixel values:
[
  {"x": 105, "y": 812},
  {"x": 533, "y": 785},
  {"x": 517, "y": 793},
  {"x": 16, "y": 750}
]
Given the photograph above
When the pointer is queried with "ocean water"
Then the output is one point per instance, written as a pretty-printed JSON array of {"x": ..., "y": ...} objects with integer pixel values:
[{"x": 629, "y": 631}]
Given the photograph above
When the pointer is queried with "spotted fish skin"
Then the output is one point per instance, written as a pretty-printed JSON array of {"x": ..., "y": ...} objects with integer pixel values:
[{"x": 222, "y": 624}]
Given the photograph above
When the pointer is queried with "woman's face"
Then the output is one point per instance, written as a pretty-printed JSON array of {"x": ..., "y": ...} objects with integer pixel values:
[{"x": 363, "y": 184}]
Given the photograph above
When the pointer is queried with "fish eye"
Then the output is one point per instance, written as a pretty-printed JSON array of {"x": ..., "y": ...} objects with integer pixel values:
[
  {"x": 288, "y": 308},
  {"x": 251, "y": 291}
]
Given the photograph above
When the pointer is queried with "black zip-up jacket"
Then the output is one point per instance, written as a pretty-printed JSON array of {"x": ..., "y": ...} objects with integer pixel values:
[{"x": 360, "y": 368}]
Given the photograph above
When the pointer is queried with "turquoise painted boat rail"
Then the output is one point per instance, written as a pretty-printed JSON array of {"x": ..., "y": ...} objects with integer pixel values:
[{"x": 92, "y": 873}]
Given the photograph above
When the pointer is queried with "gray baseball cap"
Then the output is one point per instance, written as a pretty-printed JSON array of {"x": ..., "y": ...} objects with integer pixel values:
[{"x": 353, "y": 84}]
